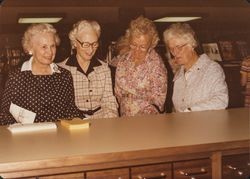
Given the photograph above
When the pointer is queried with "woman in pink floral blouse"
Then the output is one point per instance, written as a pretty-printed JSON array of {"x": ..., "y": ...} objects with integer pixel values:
[{"x": 141, "y": 77}]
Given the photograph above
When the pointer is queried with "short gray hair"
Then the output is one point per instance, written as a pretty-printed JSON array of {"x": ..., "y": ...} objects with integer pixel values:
[
  {"x": 35, "y": 29},
  {"x": 83, "y": 25},
  {"x": 180, "y": 30}
]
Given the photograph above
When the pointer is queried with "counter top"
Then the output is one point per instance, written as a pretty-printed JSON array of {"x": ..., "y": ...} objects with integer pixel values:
[{"x": 122, "y": 138}]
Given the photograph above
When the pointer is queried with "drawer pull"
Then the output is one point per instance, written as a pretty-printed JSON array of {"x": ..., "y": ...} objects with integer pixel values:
[
  {"x": 239, "y": 172},
  {"x": 201, "y": 172},
  {"x": 162, "y": 176}
]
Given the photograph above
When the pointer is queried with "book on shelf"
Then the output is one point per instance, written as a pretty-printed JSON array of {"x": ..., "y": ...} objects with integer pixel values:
[
  {"x": 212, "y": 50},
  {"x": 243, "y": 48},
  {"x": 75, "y": 123},
  {"x": 227, "y": 50}
]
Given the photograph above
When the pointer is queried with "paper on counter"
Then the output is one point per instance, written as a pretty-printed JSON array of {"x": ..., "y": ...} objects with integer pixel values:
[
  {"x": 19, "y": 128},
  {"x": 22, "y": 115}
]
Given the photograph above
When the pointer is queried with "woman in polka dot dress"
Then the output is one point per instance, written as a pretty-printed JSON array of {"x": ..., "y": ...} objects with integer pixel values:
[{"x": 39, "y": 91}]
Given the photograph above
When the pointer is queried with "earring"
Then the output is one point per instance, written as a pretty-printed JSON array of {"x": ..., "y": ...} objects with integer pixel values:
[{"x": 30, "y": 53}]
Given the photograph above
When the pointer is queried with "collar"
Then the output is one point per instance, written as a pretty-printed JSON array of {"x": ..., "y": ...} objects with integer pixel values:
[
  {"x": 72, "y": 61},
  {"x": 27, "y": 66},
  {"x": 197, "y": 66}
]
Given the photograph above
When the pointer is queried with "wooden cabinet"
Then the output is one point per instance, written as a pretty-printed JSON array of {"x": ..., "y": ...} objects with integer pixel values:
[
  {"x": 110, "y": 174},
  {"x": 157, "y": 171},
  {"x": 236, "y": 166},
  {"x": 65, "y": 176},
  {"x": 172, "y": 146},
  {"x": 193, "y": 169}
]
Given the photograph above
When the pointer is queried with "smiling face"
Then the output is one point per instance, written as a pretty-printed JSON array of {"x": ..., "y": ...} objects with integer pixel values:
[
  {"x": 86, "y": 44},
  {"x": 43, "y": 48},
  {"x": 139, "y": 46}
]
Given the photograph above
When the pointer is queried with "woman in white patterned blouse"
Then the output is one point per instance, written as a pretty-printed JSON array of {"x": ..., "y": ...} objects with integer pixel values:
[{"x": 200, "y": 82}]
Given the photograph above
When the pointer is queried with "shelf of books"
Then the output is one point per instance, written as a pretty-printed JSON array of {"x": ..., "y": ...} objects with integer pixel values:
[
  {"x": 9, "y": 59},
  {"x": 227, "y": 52}
]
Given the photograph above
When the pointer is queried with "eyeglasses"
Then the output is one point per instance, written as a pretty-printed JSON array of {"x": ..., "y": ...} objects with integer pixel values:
[
  {"x": 87, "y": 44},
  {"x": 177, "y": 48},
  {"x": 142, "y": 48}
]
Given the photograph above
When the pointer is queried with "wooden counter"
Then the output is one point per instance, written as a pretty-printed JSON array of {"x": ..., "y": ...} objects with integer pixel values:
[{"x": 125, "y": 142}]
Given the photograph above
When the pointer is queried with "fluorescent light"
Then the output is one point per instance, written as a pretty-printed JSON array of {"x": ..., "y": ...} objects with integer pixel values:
[
  {"x": 39, "y": 20},
  {"x": 176, "y": 19}
]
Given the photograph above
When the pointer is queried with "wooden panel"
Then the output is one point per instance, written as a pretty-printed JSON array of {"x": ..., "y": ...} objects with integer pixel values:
[
  {"x": 65, "y": 176},
  {"x": 216, "y": 165},
  {"x": 110, "y": 174},
  {"x": 160, "y": 171},
  {"x": 175, "y": 137},
  {"x": 236, "y": 166},
  {"x": 196, "y": 168}
]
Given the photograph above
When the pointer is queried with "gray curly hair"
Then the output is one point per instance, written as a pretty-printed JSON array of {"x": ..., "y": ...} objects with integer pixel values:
[{"x": 180, "y": 30}]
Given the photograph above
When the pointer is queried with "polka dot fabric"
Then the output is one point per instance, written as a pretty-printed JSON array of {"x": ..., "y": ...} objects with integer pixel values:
[{"x": 51, "y": 97}]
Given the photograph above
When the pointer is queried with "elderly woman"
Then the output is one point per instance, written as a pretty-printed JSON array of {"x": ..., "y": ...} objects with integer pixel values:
[
  {"x": 91, "y": 76},
  {"x": 39, "y": 90},
  {"x": 245, "y": 79},
  {"x": 199, "y": 84},
  {"x": 141, "y": 77}
]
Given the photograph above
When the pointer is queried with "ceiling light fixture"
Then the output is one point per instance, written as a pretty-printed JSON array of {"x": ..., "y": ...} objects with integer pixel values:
[
  {"x": 176, "y": 19},
  {"x": 29, "y": 20}
]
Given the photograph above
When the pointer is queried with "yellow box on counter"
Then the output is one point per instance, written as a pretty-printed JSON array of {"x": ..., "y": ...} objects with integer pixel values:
[{"x": 75, "y": 123}]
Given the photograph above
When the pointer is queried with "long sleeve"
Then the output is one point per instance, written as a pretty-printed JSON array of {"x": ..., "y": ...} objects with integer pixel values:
[
  {"x": 159, "y": 85},
  {"x": 141, "y": 89},
  {"x": 202, "y": 87},
  {"x": 218, "y": 95},
  {"x": 71, "y": 110},
  {"x": 6, "y": 117},
  {"x": 108, "y": 101}
]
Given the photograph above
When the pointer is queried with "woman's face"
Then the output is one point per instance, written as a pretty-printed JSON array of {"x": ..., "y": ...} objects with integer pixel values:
[
  {"x": 139, "y": 46},
  {"x": 181, "y": 50},
  {"x": 86, "y": 44},
  {"x": 43, "y": 48}
]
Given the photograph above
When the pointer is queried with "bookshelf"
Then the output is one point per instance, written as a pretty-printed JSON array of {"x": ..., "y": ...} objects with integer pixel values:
[{"x": 10, "y": 58}]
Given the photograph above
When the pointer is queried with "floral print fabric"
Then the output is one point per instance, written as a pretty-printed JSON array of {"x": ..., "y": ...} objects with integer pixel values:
[{"x": 141, "y": 89}]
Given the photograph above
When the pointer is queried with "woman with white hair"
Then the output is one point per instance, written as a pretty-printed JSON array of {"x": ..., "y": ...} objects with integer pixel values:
[
  {"x": 92, "y": 77},
  {"x": 199, "y": 84},
  {"x": 39, "y": 91}
]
